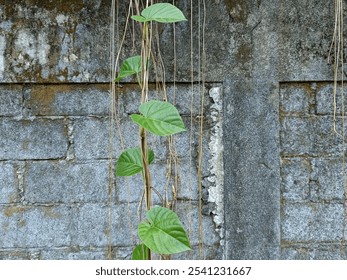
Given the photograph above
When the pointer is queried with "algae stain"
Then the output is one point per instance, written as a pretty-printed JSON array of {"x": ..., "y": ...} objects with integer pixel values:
[
  {"x": 237, "y": 9},
  {"x": 71, "y": 6},
  {"x": 42, "y": 98},
  {"x": 12, "y": 210}
]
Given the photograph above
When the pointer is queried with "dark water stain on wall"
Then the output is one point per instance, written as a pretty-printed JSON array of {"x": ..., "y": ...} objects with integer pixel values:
[{"x": 237, "y": 9}]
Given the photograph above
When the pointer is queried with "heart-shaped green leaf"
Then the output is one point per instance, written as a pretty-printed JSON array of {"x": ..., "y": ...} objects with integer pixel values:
[
  {"x": 130, "y": 66},
  {"x": 140, "y": 252},
  {"x": 130, "y": 162},
  {"x": 163, "y": 232},
  {"x": 161, "y": 12},
  {"x": 160, "y": 118}
]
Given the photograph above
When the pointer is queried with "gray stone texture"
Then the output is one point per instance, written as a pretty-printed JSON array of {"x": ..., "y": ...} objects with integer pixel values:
[
  {"x": 66, "y": 182},
  {"x": 283, "y": 184},
  {"x": 310, "y": 135},
  {"x": 312, "y": 173},
  {"x": 30, "y": 227},
  {"x": 315, "y": 252},
  {"x": 317, "y": 222},
  {"x": 8, "y": 184},
  {"x": 130, "y": 189},
  {"x": 294, "y": 99},
  {"x": 32, "y": 139},
  {"x": 295, "y": 175},
  {"x": 74, "y": 253},
  {"x": 68, "y": 100},
  {"x": 11, "y": 97}
]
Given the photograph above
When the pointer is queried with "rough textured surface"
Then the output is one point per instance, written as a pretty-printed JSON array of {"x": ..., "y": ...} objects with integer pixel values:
[
  {"x": 283, "y": 181},
  {"x": 55, "y": 174},
  {"x": 268, "y": 112},
  {"x": 311, "y": 172},
  {"x": 33, "y": 139}
]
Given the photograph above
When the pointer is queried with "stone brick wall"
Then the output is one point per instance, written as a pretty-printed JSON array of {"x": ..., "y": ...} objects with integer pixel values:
[
  {"x": 311, "y": 172},
  {"x": 54, "y": 150},
  {"x": 272, "y": 170}
]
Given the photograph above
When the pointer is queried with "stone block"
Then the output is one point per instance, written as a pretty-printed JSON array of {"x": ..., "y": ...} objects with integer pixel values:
[
  {"x": 295, "y": 179},
  {"x": 125, "y": 219},
  {"x": 30, "y": 227},
  {"x": 315, "y": 222},
  {"x": 11, "y": 97},
  {"x": 73, "y": 253},
  {"x": 91, "y": 138},
  {"x": 89, "y": 225},
  {"x": 66, "y": 182},
  {"x": 294, "y": 99},
  {"x": 209, "y": 253},
  {"x": 314, "y": 252},
  {"x": 8, "y": 190},
  {"x": 130, "y": 189},
  {"x": 122, "y": 253},
  {"x": 189, "y": 216},
  {"x": 36, "y": 139},
  {"x": 312, "y": 136},
  {"x": 68, "y": 100},
  {"x": 325, "y": 99},
  {"x": 186, "y": 100},
  {"x": 14, "y": 255},
  {"x": 327, "y": 179}
]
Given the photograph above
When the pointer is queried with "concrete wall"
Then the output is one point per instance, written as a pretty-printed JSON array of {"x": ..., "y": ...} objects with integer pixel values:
[{"x": 272, "y": 170}]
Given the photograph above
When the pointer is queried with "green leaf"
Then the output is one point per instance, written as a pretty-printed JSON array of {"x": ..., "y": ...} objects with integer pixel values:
[
  {"x": 130, "y": 162},
  {"x": 160, "y": 118},
  {"x": 130, "y": 66},
  {"x": 161, "y": 12},
  {"x": 163, "y": 232},
  {"x": 140, "y": 252},
  {"x": 139, "y": 18}
]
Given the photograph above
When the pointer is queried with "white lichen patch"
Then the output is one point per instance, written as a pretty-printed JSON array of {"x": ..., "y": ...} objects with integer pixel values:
[
  {"x": 61, "y": 19},
  {"x": 43, "y": 50},
  {"x": 2, "y": 59},
  {"x": 25, "y": 43},
  {"x": 216, "y": 190}
]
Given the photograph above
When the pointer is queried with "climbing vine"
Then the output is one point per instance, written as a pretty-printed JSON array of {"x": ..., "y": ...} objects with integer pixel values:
[{"x": 162, "y": 232}]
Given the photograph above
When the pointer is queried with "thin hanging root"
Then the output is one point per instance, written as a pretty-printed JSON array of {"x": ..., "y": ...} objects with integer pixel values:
[
  {"x": 114, "y": 119},
  {"x": 159, "y": 195},
  {"x": 338, "y": 45},
  {"x": 190, "y": 230},
  {"x": 202, "y": 74},
  {"x": 110, "y": 166}
]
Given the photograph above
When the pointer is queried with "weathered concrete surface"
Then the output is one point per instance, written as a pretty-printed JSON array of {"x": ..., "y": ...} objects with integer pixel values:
[
  {"x": 282, "y": 161},
  {"x": 54, "y": 41},
  {"x": 251, "y": 144},
  {"x": 277, "y": 41},
  {"x": 56, "y": 185},
  {"x": 32, "y": 139},
  {"x": 311, "y": 172}
]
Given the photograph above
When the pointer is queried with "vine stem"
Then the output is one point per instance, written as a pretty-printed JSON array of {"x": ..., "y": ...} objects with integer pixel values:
[{"x": 145, "y": 54}]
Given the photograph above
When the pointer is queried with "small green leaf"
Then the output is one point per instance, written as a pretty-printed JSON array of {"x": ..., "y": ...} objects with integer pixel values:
[
  {"x": 130, "y": 66},
  {"x": 130, "y": 162},
  {"x": 160, "y": 118},
  {"x": 139, "y": 18},
  {"x": 163, "y": 232},
  {"x": 161, "y": 12},
  {"x": 140, "y": 252}
]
